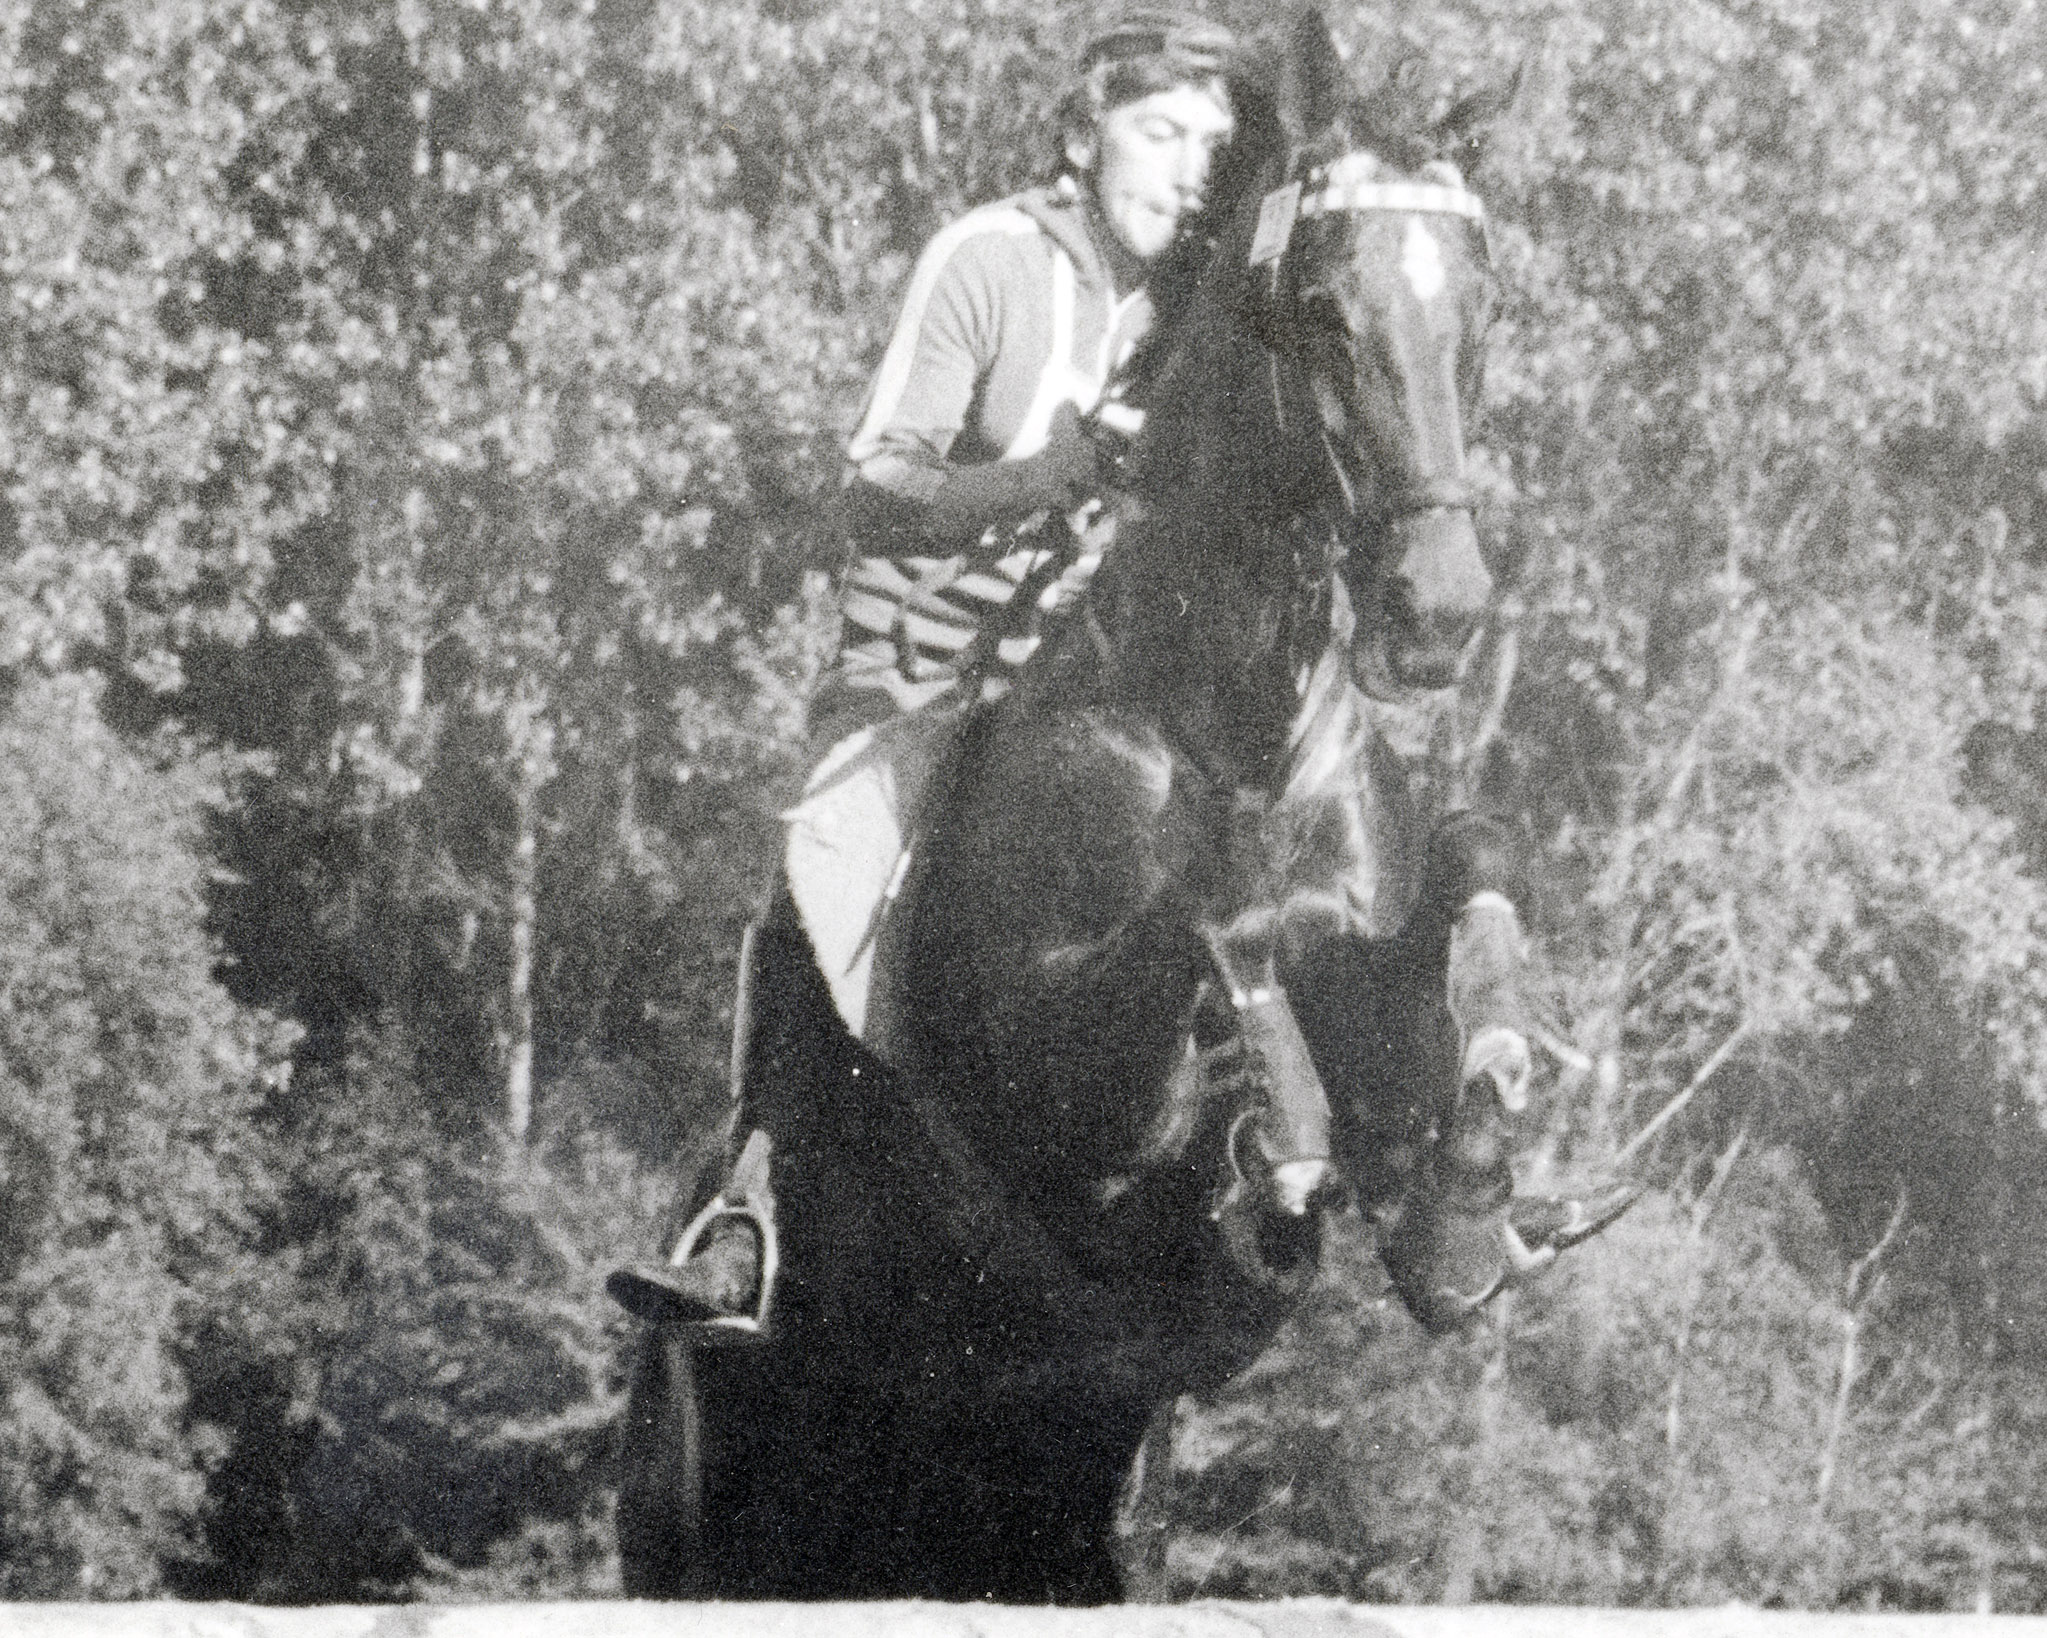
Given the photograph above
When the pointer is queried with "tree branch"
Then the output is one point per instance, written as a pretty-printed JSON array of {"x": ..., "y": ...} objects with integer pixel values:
[{"x": 1670, "y": 1110}]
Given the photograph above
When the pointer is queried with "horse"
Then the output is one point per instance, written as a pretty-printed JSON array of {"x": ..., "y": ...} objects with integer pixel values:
[{"x": 1177, "y": 969}]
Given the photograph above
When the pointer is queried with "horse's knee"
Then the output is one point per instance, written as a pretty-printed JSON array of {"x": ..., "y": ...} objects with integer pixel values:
[
  {"x": 1475, "y": 883},
  {"x": 1487, "y": 965}
]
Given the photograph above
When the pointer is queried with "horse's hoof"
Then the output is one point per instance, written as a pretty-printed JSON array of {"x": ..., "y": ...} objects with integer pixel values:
[
  {"x": 1523, "y": 1260},
  {"x": 1501, "y": 1055},
  {"x": 1446, "y": 1311},
  {"x": 1559, "y": 1224},
  {"x": 1275, "y": 1251}
]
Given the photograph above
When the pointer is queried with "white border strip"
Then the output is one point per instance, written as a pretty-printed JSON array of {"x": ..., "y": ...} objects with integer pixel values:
[{"x": 1295, "y": 1618}]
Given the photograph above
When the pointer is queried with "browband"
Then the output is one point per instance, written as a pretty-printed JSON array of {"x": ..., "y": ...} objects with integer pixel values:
[
  {"x": 1433, "y": 197},
  {"x": 1348, "y": 184}
]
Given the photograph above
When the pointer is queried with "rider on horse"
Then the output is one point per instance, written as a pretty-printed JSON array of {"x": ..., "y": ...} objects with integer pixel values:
[
  {"x": 988, "y": 439},
  {"x": 1021, "y": 320},
  {"x": 1021, "y": 317}
]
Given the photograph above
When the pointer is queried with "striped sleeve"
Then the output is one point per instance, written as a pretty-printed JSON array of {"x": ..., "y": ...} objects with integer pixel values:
[{"x": 940, "y": 353}]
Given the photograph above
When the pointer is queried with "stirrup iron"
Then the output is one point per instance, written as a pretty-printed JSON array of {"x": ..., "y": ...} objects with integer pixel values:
[{"x": 747, "y": 1196}]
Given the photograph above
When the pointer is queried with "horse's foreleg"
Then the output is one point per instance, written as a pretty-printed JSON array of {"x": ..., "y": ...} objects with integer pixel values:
[
  {"x": 1292, "y": 1120},
  {"x": 1465, "y": 1234},
  {"x": 1469, "y": 940},
  {"x": 1440, "y": 1077},
  {"x": 1485, "y": 985},
  {"x": 1486, "y": 969}
]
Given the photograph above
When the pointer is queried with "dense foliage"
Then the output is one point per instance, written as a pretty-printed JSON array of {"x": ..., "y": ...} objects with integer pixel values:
[{"x": 420, "y": 431}]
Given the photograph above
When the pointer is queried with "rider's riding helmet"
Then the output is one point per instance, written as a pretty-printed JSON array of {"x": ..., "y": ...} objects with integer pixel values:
[
  {"x": 1153, "y": 48},
  {"x": 1138, "y": 51}
]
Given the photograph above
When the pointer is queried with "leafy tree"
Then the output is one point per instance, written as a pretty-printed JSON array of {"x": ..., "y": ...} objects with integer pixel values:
[
  {"x": 430, "y": 1402},
  {"x": 127, "y": 1083},
  {"x": 1679, "y": 1422}
]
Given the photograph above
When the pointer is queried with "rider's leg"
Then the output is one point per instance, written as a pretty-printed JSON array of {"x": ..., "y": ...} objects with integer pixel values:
[{"x": 721, "y": 1270}]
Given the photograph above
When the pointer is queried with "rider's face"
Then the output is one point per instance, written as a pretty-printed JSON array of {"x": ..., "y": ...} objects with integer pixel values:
[{"x": 1149, "y": 162}]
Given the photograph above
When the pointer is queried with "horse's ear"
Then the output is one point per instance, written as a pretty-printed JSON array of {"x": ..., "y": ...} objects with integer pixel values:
[
  {"x": 1312, "y": 91},
  {"x": 1465, "y": 130},
  {"x": 1397, "y": 108}
]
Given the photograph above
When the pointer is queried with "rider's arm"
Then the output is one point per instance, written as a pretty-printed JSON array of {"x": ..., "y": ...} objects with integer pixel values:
[
  {"x": 965, "y": 308},
  {"x": 947, "y": 504}
]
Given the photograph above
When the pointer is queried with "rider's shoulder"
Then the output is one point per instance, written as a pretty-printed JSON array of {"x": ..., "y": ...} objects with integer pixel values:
[
  {"x": 1010, "y": 246},
  {"x": 1000, "y": 246},
  {"x": 1049, "y": 212},
  {"x": 1020, "y": 216}
]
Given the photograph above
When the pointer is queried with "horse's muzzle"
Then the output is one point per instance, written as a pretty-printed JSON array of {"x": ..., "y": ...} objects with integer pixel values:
[{"x": 1438, "y": 586}]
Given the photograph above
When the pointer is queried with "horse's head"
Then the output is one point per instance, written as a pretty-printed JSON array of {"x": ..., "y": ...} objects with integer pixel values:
[
  {"x": 1345, "y": 304},
  {"x": 1374, "y": 311}
]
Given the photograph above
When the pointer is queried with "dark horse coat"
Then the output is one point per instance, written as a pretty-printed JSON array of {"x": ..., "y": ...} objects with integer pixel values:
[{"x": 1069, "y": 1206}]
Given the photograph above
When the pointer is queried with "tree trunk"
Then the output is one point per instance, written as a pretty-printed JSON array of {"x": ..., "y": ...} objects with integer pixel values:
[
  {"x": 1464, "y": 1551},
  {"x": 532, "y": 739},
  {"x": 1864, "y": 1281}
]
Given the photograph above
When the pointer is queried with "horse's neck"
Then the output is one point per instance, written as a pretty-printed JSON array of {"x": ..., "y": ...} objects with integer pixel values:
[
  {"x": 1215, "y": 449},
  {"x": 1203, "y": 582}
]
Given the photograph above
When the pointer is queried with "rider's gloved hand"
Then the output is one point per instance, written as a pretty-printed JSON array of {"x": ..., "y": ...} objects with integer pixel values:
[
  {"x": 1113, "y": 429},
  {"x": 1069, "y": 466},
  {"x": 1066, "y": 472}
]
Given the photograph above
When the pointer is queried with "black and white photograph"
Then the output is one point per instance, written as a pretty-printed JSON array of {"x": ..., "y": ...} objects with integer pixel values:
[{"x": 1023, "y": 817}]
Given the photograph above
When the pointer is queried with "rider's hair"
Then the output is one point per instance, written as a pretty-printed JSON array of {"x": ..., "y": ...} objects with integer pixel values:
[{"x": 1140, "y": 51}]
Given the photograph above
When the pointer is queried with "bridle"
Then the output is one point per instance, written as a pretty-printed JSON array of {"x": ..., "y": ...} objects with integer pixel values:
[
  {"x": 1249, "y": 290},
  {"x": 1353, "y": 183}
]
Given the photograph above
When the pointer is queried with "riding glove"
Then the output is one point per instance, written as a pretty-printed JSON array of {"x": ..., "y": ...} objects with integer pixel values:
[{"x": 972, "y": 499}]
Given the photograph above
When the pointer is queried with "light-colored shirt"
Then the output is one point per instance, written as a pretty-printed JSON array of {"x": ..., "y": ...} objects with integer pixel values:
[{"x": 1011, "y": 311}]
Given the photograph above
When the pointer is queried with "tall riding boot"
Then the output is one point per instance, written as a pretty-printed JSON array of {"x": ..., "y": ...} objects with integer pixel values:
[{"x": 720, "y": 1277}]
